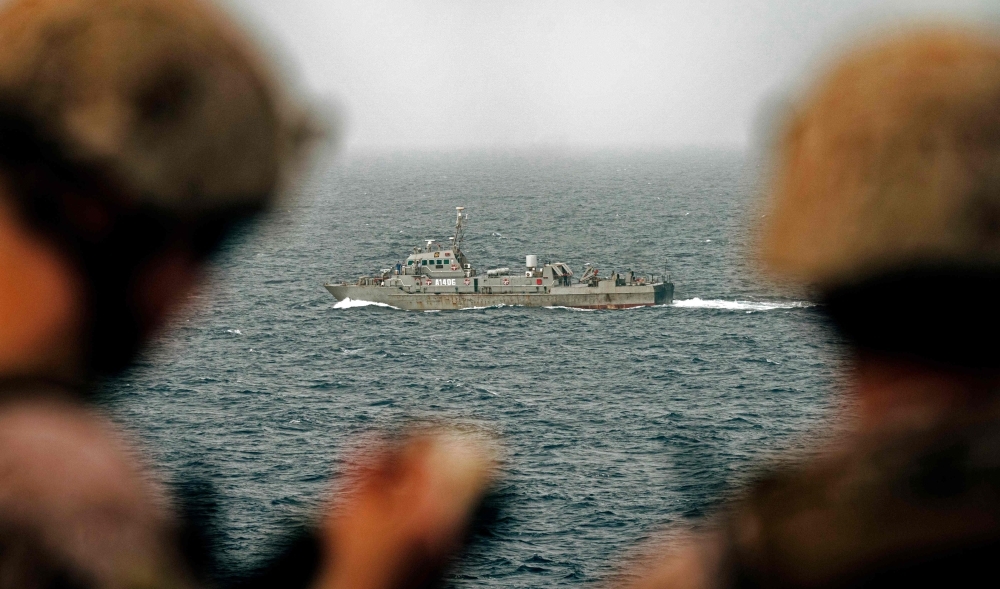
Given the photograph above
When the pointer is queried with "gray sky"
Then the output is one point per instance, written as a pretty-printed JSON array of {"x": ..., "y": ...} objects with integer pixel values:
[{"x": 446, "y": 74}]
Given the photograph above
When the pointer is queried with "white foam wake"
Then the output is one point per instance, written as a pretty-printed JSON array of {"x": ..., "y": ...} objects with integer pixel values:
[
  {"x": 349, "y": 303},
  {"x": 748, "y": 306},
  {"x": 500, "y": 306}
]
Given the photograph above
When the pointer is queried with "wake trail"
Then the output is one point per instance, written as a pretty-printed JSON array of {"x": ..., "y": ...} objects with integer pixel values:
[
  {"x": 694, "y": 303},
  {"x": 737, "y": 305}
]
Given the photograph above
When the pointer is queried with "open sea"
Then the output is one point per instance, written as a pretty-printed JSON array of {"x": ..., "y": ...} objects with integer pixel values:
[{"x": 616, "y": 423}]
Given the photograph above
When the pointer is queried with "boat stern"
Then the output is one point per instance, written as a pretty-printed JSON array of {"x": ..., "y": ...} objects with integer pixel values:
[{"x": 663, "y": 293}]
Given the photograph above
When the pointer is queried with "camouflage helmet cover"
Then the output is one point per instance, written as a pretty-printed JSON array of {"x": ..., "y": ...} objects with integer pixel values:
[
  {"x": 163, "y": 95},
  {"x": 892, "y": 160}
]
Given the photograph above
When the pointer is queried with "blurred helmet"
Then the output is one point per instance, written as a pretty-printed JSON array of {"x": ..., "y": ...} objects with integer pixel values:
[
  {"x": 164, "y": 97},
  {"x": 891, "y": 161},
  {"x": 886, "y": 196},
  {"x": 133, "y": 127}
]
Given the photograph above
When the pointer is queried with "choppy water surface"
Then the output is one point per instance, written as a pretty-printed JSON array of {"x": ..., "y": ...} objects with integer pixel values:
[{"x": 616, "y": 422}]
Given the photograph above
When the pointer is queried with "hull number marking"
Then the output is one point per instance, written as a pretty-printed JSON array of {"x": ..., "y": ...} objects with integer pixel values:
[{"x": 443, "y": 282}]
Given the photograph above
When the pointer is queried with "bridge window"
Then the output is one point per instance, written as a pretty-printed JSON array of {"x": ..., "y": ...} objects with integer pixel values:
[
  {"x": 440, "y": 262},
  {"x": 409, "y": 262},
  {"x": 423, "y": 262}
]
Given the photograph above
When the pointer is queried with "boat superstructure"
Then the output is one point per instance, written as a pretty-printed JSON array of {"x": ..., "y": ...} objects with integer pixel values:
[{"x": 438, "y": 276}]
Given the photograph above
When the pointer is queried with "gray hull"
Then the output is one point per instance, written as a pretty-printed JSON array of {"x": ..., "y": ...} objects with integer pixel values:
[{"x": 574, "y": 296}]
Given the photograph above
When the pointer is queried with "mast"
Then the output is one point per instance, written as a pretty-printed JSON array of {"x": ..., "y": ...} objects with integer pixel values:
[{"x": 459, "y": 227}]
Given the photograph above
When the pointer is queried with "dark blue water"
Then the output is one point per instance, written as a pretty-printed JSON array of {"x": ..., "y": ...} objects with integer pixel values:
[{"x": 616, "y": 422}]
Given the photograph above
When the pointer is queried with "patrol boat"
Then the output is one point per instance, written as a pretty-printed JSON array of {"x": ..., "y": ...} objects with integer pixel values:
[{"x": 438, "y": 276}]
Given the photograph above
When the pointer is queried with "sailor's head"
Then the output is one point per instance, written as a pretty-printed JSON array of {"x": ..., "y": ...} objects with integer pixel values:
[
  {"x": 886, "y": 195},
  {"x": 134, "y": 135}
]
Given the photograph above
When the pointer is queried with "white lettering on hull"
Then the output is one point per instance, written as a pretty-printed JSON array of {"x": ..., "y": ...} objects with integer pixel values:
[{"x": 444, "y": 282}]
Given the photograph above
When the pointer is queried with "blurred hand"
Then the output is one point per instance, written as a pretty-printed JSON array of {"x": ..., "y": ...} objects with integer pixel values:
[
  {"x": 406, "y": 511},
  {"x": 684, "y": 561}
]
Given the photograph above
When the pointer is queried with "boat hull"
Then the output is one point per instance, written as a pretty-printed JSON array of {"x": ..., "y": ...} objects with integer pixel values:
[{"x": 576, "y": 297}]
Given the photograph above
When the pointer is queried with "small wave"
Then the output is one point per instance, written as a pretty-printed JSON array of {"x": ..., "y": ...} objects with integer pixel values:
[
  {"x": 748, "y": 306},
  {"x": 349, "y": 303},
  {"x": 234, "y": 331}
]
